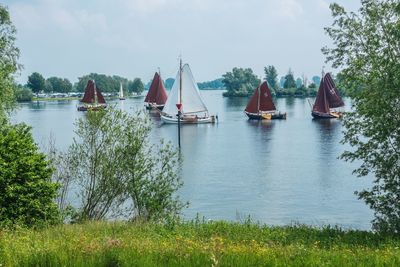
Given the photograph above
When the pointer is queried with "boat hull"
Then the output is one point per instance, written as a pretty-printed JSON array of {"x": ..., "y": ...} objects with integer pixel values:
[
  {"x": 188, "y": 120},
  {"x": 259, "y": 116},
  {"x": 154, "y": 106},
  {"x": 91, "y": 108},
  {"x": 320, "y": 115}
]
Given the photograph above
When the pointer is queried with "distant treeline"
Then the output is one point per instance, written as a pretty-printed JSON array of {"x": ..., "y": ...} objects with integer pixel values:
[{"x": 209, "y": 85}]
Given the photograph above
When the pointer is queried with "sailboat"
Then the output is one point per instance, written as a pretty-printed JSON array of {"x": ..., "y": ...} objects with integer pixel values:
[
  {"x": 261, "y": 106},
  {"x": 185, "y": 95},
  {"x": 157, "y": 96},
  {"x": 92, "y": 99},
  {"x": 121, "y": 92},
  {"x": 327, "y": 99}
]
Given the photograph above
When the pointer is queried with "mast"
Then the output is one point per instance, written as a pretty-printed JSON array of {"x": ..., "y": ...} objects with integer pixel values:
[
  {"x": 95, "y": 92},
  {"x": 258, "y": 100},
  {"x": 180, "y": 81}
]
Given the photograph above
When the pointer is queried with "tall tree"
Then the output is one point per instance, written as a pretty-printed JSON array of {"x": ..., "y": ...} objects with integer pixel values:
[
  {"x": 316, "y": 80},
  {"x": 299, "y": 83},
  {"x": 136, "y": 86},
  {"x": 169, "y": 83},
  {"x": 60, "y": 85},
  {"x": 36, "y": 82},
  {"x": 289, "y": 80},
  {"x": 271, "y": 76},
  {"x": 9, "y": 55},
  {"x": 240, "y": 82},
  {"x": 366, "y": 45}
]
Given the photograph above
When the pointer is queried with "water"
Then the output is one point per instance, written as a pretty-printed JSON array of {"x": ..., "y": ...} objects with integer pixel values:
[{"x": 278, "y": 172}]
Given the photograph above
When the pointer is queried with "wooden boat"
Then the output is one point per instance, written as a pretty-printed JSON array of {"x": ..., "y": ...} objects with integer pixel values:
[
  {"x": 157, "y": 96},
  {"x": 261, "y": 106},
  {"x": 185, "y": 95},
  {"x": 327, "y": 100},
  {"x": 121, "y": 92},
  {"x": 92, "y": 99}
]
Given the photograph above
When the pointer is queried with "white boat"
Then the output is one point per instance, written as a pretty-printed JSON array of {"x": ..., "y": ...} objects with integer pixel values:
[
  {"x": 185, "y": 93},
  {"x": 121, "y": 92}
]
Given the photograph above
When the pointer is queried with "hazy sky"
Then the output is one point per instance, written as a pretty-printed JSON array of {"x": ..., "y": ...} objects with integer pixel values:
[{"x": 132, "y": 38}]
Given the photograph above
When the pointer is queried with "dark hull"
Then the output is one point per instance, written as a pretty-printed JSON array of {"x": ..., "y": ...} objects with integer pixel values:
[
  {"x": 319, "y": 115},
  {"x": 151, "y": 107},
  {"x": 275, "y": 116},
  {"x": 91, "y": 108}
]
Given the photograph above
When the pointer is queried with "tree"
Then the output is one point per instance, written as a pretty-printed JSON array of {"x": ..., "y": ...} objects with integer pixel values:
[
  {"x": 169, "y": 83},
  {"x": 289, "y": 80},
  {"x": 114, "y": 164},
  {"x": 240, "y": 82},
  {"x": 36, "y": 82},
  {"x": 316, "y": 80},
  {"x": 136, "y": 86},
  {"x": 60, "y": 85},
  {"x": 299, "y": 83},
  {"x": 26, "y": 189},
  {"x": 9, "y": 55},
  {"x": 366, "y": 45},
  {"x": 271, "y": 76}
]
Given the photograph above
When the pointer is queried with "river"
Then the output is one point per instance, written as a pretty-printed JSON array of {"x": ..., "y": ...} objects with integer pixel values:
[{"x": 277, "y": 172}]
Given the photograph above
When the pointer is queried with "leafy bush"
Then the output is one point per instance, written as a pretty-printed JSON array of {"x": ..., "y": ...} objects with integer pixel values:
[
  {"x": 26, "y": 189},
  {"x": 23, "y": 94}
]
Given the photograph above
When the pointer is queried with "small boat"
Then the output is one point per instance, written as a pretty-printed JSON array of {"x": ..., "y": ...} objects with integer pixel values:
[
  {"x": 261, "y": 106},
  {"x": 157, "y": 96},
  {"x": 92, "y": 99},
  {"x": 327, "y": 100},
  {"x": 121, "y": 92},
  {"x": 185, "y": 95}
]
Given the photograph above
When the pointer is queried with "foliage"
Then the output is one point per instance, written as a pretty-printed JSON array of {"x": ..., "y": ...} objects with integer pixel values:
[
  {"x": 36, "y": 82},
  {"x": 312, "y": 85},
  {"x": 271, "y": 76},
  {"x": 195, "y": 244},
  {"x": 23, "y": 94},
  {"x": 210, "y": 85},
  {"x": 169, "y": 83},
  {"x": 114, "y": 165},
  {"x": 367, "y": 47},
  {"x": 9, "y": 55},
  {"x": 316, "y": 80},
  {"x": 289, "y": 80},
  {"x": 296, "y": 92},
  {"x": 26, "y": 189},
  {"x": 136, "y": 86},
  {"x": 240, "y": 82},
  {"x": 107, "y": 84},
  {"x": 59, "y": 85}
]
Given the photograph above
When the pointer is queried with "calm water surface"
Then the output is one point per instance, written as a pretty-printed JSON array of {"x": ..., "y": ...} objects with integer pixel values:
[{"x": 278, "y": 172}]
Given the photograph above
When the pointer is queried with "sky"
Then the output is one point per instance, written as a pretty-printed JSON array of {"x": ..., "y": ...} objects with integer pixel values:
[{"x": 133, "y": 38}]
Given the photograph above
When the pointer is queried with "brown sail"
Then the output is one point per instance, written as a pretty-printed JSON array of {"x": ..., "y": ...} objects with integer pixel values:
[
  {"x": 157, "y": 93},
  {"x": 261, "y": 100},
  {"x": 91, "y": 93},
  {"x": 327, "y": 96}
]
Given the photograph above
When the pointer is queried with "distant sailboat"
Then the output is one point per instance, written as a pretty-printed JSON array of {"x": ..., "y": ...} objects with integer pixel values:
[
  {"x": 92, "y": 99},
  {"x": 185, "y": 94},
  {"x": 261, "y": 106},
  {"x": 121, "y": 92},
  {"x": 157, "y": 96},
  {"x": 327, "y": 98}
]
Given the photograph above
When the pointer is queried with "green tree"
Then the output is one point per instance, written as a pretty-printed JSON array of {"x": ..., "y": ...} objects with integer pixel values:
[
  {"x": 36, "y": 82},
  {"x": 26, "y": 189},
  {"x": 289, "y": 80},
  {"x": 316, "y": 80},
  {"x": 367, "y": 48},
  {"x": 9, "y": 55},
  {"x": 60, "y": 85},
  {"x": 299, "y": 83},
  {"x": 23, "y": 94},
  {"x": 271, "y": 76},
  {"x": 136, "y": 86},
  {"x": 113, "y": 162},
  {"x": 169, "y": 83},
  {"x": 240, "y": 82}
]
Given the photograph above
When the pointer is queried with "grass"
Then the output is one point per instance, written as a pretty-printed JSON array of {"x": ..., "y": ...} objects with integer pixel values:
[{"x": 195, "y": 244}]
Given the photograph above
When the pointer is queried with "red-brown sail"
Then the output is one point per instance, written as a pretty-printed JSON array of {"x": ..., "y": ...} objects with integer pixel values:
[
  {"x": 90, "y": 92},
  {"x": 261, "y": 100},
  {"x": 157, "y": 93},
  {"x": 327, "y": 96}
]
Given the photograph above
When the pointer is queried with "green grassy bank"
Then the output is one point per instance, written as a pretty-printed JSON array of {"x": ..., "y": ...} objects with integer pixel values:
[{"x": 195, "y": 244}]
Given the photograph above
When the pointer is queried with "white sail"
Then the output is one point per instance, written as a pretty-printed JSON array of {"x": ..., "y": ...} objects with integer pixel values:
[
  {"x": 121, "y": 91},
  {"x": 191, "y": 99}
]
